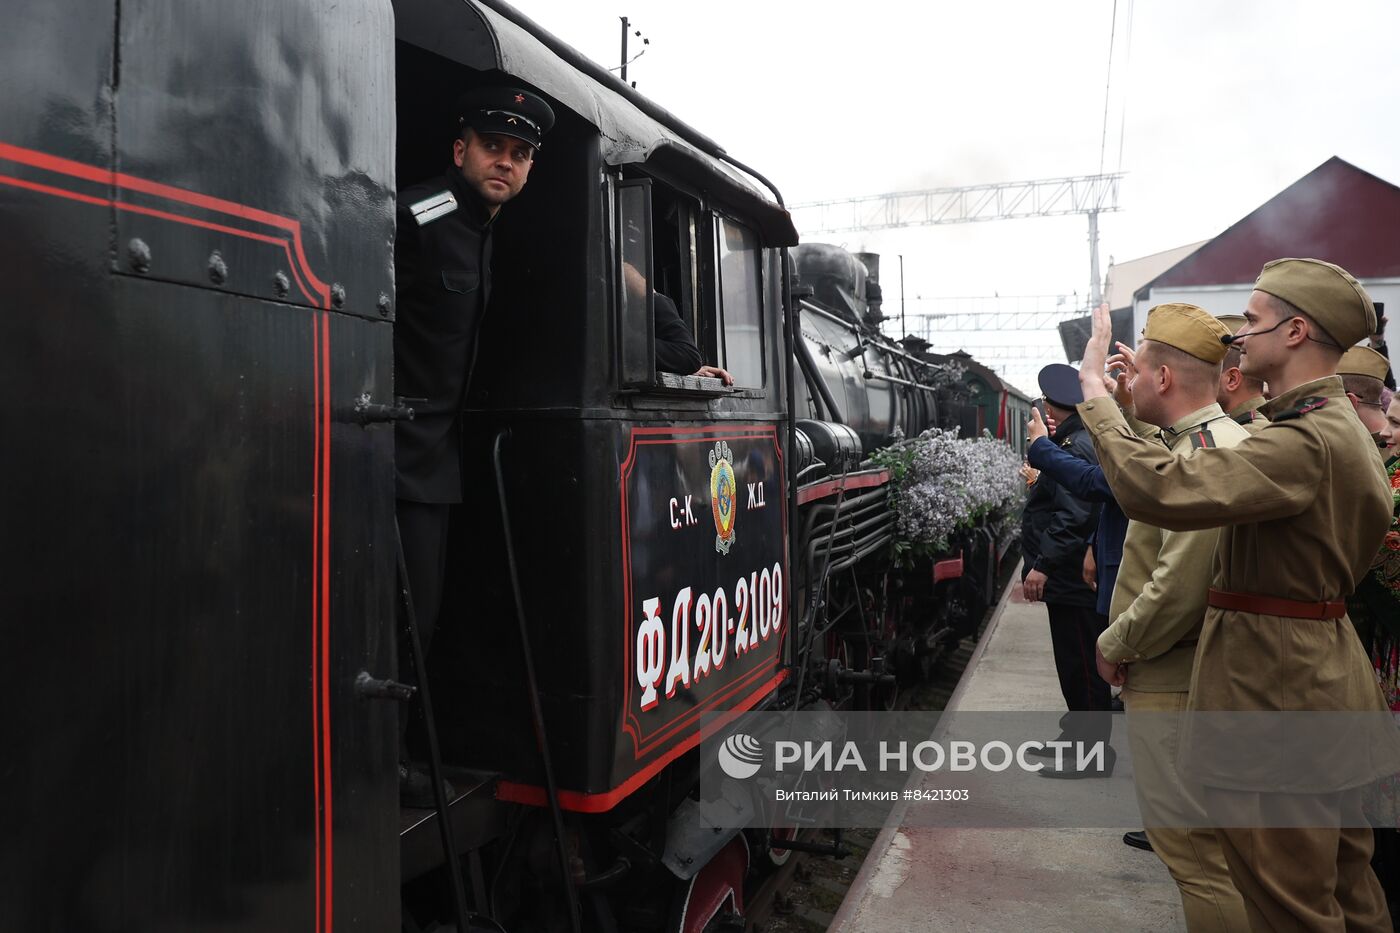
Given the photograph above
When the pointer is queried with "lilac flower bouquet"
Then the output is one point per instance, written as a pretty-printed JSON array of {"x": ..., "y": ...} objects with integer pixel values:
[{"x": 942, "y": 484}]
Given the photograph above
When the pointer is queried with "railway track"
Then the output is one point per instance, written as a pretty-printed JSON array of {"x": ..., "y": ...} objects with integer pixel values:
[{"x": 803, "y": 895}]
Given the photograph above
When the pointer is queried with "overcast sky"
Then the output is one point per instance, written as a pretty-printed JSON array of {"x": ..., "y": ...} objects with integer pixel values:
[{"x": 1218, "y": 106}]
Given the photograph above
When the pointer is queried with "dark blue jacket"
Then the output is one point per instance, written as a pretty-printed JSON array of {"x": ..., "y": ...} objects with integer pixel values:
[
  {"x": 1086, "y": 480},
  {"x": 1057, "y": 525}
]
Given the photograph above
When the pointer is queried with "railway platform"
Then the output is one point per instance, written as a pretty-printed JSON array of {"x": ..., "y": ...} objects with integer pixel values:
[{"x": 1050, "y": 880}]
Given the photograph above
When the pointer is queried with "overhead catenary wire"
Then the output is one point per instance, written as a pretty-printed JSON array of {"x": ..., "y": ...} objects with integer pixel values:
[
  {"x": 1108, "y": 85},
  {"x": 1127, "y": 68}
]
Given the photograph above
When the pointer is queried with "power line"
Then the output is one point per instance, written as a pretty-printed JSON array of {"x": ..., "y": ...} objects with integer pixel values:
[
  {"x": 1107, "y": 84},
  {"x": 1128, "y": 69}
]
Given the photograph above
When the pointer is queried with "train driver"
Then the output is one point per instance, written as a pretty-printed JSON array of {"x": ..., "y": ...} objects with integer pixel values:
[{"x": 442, "y": 256}]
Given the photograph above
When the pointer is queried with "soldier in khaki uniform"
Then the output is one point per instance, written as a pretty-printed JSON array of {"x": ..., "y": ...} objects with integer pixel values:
[
  {"x": 1363, "y": 372},
  {"x": 1158, "y": 606},
  {"x": 1241, "y": 396},
  {"x": 1304, "y": 506}
]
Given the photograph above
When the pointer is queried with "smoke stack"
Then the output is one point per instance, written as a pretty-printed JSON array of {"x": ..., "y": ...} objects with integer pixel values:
[{"x": 872, "y": 265}]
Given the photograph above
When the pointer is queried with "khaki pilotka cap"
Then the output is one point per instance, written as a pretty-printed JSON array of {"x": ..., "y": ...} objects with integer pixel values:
[
  {"x": 1363, "y": 361},
  {"x": 1232, "y": 321},
  {"x": 1325, "y": 292},
  {"x": 1190, "y": 329}
]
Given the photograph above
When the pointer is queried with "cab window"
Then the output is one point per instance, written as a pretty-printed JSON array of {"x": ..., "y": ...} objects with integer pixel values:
[
  {"x": 690, "y": 290},
  {"x": 738, "y": 267}
]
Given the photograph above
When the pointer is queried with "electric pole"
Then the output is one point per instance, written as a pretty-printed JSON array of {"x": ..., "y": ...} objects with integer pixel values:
[
  {"x": 902, "y": 324},
  {"x": 625, "y": 24}
]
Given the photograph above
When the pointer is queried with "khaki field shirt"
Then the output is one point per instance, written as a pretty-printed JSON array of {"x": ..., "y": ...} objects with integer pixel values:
[
  {"x": 1249, "y": 414},
  {"x": 1159, "y": 601},
  {"x": 1303, "y": 505}
]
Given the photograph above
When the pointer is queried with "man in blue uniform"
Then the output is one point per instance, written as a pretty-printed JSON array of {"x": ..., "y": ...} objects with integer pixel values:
[
  {"x": 1055, "y": 530},
  {"x": 442, "y": 257}
]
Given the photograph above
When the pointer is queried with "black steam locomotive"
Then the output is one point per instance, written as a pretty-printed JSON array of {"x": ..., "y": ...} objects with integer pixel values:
[{"x": 199, "y": 213}]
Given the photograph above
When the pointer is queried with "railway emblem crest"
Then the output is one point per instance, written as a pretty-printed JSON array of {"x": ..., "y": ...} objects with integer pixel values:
[{"x": 723, "y": 502}]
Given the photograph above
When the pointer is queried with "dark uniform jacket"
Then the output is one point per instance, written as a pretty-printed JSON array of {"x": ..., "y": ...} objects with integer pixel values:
[
  {"x": 676, "y": 351},
  {"x": 1086, "y": 481},
  {"x": 443, "y": 281},
  {"x": 1056, "y": 525}
]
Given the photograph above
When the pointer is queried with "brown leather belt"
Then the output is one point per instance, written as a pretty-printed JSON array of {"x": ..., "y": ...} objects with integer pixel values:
[{"x": 1274, "y": 606}]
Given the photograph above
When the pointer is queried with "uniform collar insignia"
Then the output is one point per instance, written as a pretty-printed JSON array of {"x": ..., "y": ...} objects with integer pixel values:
[
  {"x": 1304, "y": 405},
  {"x": 1194, "y": 420}
]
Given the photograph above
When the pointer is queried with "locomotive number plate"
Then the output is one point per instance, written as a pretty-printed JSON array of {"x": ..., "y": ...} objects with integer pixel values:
[{"x": 704, "y": 576}]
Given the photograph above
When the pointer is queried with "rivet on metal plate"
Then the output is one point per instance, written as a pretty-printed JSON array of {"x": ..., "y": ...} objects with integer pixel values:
[
  {"x": 138, "y": 254},
  {"x": 218, "y": 269}
]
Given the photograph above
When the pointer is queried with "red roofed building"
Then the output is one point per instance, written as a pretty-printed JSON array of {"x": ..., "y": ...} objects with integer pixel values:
[{"x": 1336, "y": 212}]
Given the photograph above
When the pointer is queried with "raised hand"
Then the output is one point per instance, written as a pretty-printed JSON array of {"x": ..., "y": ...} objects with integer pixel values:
[
  {"x": 1118, "y": 383},
  {"x": 1035, "y": 428},
  {"x": 1091, "y": 370}
]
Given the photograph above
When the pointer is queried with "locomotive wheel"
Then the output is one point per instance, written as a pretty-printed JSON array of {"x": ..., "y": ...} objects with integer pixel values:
[
  {"x": 769, "y": 840},
  {"x": 777, "y": 857},
  {"x": 713, "y": 900},
  {"x": 839, "y": 648}
]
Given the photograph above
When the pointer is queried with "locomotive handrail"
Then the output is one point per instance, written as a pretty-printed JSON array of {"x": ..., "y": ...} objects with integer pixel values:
[
  {"x": 790, "y": 312},
  {"x": 803, "y": 355},
  {"x": 536, "y": 711},
  {"x": 834, "y": 318},
  {"x": 905, "y": 354},
  {"x": 904, "y": 382},
  {"x": 420, "y": 670},
  {"x": 855, "y": 329}
]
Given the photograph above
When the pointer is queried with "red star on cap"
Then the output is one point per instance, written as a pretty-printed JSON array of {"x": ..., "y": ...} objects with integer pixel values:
[{"x": 520, "y": 98}]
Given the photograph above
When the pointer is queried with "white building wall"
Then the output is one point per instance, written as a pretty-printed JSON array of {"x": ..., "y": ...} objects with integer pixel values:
[{"x": 1231, "y": 299}]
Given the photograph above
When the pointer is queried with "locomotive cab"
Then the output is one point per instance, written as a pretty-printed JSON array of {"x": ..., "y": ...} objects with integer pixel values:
[{"x": 647, "y": 510}]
